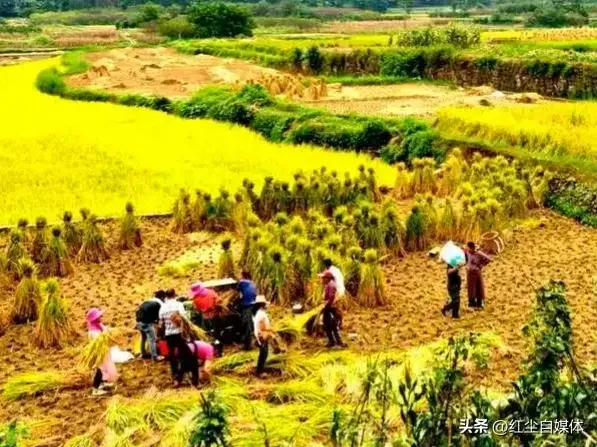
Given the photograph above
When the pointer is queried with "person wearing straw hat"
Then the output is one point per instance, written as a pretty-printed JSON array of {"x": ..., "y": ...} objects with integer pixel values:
[
  {"x": 106, "y": 374},
  {"x": 263, "y": 332}
]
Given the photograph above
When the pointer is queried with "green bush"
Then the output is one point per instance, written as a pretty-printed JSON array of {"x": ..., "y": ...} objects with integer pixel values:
[
  {"x": 555, "y": 18},
  {"x": 332, "y": 132},
  {"x": 177, "y": 28},
  {"x": 315, "y": 61},
  {"x": 272, "y": 123},
  {"x": 49, "y": 81},
  {"x": 220, "y": 20},
  {"x": 255, "y": 95},
  {"x": 374, "y": 136},
  {"x": 83, "y": 94},
  {"x": 422, "y": 144}
]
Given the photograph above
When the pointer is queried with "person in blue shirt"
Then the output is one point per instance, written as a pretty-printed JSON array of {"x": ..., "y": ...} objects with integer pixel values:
[{"x": 248, "y": 293}]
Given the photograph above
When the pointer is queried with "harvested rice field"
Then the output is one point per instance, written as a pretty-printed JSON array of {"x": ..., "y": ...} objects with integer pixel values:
[
  {"x": 553, "y": 247},
  {"x": 164, "y": 72}
]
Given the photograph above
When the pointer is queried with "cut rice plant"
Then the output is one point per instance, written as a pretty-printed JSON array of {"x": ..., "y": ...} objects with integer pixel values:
[
  {"x": 39, "y": 247},
  {"x": 370, "y": 232},
  {"x": 57, "y": 262},
  {"x": 448, "y": 225},
  {"x": 198, "y": 211},
  {"x": 393, "y": 231},
  {"x": 22, "y": 225},
  {"x": 230, "y": 363},
  {"x": 27, "y": 295},
  {"x": 95, "y": 351},
  {"x": 179, "y": 433},
  {"x": 84, "y": 440},
  {"x": 297, "y": 391},
  {"x": 402, "y": 185},
  {"x": 92, "y": 247},
  {"x": 416, "y": 238},
  {"x": 226, "y": 267},
  {"x": 371, "y": 290},
  {"x": 352, "y": 271},
  {"x": 15, "y": 253},
  {"x": 453, "y": 170},
  {"x": 273, "y": 275},
  {"x": 267, "y": 204},
  {"x": 372, "y": 184},
  {"x": 4, "y": 321},
  {"x": 34, "y": 383},
  {"x": 240, "y": 214},
  {"x": 130, "y": 230},
  {"x": 73, "y": 236},
  {"x": 53, "y": 325},
  {"x": 182, "y": 221},
  {"x": 292, "y": 328}
]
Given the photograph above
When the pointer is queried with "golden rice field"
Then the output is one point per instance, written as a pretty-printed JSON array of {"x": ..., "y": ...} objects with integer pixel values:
[
  {"x": 563, "y": 133},
  {"x": 58, "y": 154}
]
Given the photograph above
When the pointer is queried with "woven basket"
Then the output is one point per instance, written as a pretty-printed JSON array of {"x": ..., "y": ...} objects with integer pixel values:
[{"x": 492, "y": 243}]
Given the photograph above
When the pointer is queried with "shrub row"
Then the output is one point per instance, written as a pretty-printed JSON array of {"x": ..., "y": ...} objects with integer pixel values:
[
  {"x": 573, "y": 199},
  {"x": 276, "y": 120}
]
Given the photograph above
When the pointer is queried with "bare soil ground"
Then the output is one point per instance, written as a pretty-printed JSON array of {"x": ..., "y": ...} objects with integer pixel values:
[
  {"x": 558, "y": 249},
  {"x": 162, "y": 71}
]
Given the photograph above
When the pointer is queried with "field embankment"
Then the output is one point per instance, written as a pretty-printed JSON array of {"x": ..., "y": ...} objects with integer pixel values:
[
  {"x": 164, "y": 72},
  {"x": 101, "y": 155}
]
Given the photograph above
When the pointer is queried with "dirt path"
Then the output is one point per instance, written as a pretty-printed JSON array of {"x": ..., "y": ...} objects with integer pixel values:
[{"x": 561, "y": 249}]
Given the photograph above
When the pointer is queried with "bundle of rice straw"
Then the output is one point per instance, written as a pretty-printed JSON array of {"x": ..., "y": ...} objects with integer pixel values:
[{"x": 95, "y": 351}]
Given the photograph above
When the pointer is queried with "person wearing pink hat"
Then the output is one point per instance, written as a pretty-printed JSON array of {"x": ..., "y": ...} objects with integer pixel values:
[
  {"x": 106, "y": 374},
  {"x": 205, "y": 302}
]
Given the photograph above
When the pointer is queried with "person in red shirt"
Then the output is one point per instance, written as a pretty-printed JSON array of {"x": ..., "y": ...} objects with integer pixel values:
[
  {"x": 204, "y": 300},
  {"x": 330, "y": 312}
]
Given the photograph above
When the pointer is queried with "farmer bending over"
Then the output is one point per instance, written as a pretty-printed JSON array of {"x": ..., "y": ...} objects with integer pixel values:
[
  {"x": 105, "y": 374},
  {"x": 148, "y": 315}
]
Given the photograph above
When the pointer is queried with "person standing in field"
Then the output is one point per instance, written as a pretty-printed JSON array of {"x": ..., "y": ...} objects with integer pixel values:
[
  {"x": 262, "y": 326},
  {"x": 248, "y": 294},
  {"x": 105, "y": 374},
  {"x": 338, "y": 276},
  {"x": 330, "y": 312},
  {"x": 475, "y": 261},
  {"x": 171, "y": 314},
  {"x": 454, "y": 286},
  {"x": 148, "y": 315},
  {"x": 204, "y": 354}
]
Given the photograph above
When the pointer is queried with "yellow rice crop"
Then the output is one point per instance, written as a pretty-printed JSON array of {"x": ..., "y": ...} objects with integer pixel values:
[
  {"x": 556, "y": 132},
  {"x": 58, "y": 154}
]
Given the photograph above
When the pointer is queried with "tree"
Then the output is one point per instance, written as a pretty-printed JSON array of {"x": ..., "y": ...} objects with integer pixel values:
[
  {"x": 407, "y": 5},
  {"x": 8, "y": 8},
  {"x": 220, "y": 20}
]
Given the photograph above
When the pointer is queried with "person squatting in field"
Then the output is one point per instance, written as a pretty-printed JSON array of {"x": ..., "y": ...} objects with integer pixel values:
[
  {"x": 105, "y": 374},
  {"x": 147, "y": 317},
  {"x": 475, "y": 261}
]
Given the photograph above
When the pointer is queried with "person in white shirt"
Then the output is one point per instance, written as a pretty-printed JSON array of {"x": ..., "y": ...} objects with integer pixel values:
[
  {"x": 171, "y": 313},
  {"x": 262, "y": 327},
  {"x": 338, "y": 276}
]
